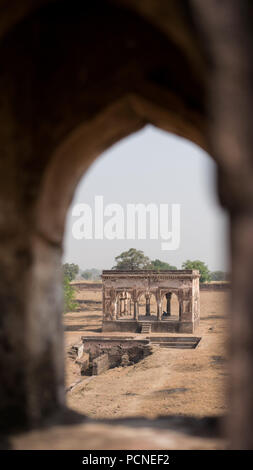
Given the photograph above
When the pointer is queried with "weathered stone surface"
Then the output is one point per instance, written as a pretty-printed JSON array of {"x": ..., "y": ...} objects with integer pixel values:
[
  {"x": 129, "y": 286},
  {"x": 76, "y": 351},
  {"x": 84, "y": 363},
  {"x": 125, "y": 360},
  {"x": 100, "y": 364},
  {"x": 186, "y": 67},
  {"x": 111, "y": 350}
]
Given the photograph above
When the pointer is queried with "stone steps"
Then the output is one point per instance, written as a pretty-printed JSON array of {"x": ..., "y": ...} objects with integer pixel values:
[{"x": 146, "y": 328}]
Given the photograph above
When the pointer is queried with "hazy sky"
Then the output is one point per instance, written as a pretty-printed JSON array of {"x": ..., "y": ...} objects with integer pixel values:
[{"x": 152, "y": 166}]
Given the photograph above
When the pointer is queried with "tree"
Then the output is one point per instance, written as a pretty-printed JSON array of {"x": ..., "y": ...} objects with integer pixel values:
[
  {"x": 69, "y": 295},
  {"x": 159, "y": 265},
  {"x": 70, "y": 271},
  {"x": 87, "y": 275},
  {"x": 219, "y": 276},
  {"x": 92, "y": 274},
  {"x": 131, "y": 260},
  {"x": 205, "y": 275}
]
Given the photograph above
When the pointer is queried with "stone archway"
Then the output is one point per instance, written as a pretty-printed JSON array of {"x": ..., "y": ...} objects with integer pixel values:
[
  {"x": 57, "y": 118},
  {"x": 147, "y": 305},
  {"x": 67, "y": 152},
  {"x": 171, "y": 304},
  {"x": 52, "y": 96}
]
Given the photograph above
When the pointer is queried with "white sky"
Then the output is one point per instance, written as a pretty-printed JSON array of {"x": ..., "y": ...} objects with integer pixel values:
[{"x": 153, "y": 166}]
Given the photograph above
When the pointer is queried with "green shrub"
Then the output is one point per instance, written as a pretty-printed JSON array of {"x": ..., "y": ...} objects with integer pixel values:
[{"x": 69, "y": 295}]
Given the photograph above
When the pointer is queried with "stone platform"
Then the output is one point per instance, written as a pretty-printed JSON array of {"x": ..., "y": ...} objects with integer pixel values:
[{"x": 135, "y": 326}]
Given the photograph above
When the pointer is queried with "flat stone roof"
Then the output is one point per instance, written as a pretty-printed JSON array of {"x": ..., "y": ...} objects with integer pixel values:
[
  {"x": 146, "y": 273},
  {"x": 151, "y": 271}
]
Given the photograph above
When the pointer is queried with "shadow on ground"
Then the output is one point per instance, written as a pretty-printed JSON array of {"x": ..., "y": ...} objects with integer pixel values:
[
  {"x": 82, "y": 328},
  {"x": 207, "y": 427}
]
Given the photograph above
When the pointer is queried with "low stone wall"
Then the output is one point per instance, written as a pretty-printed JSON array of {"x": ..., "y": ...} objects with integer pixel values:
[
  {"x": 134, "y": 326},
  {"x": 215, "y": 286},
  {"x": 175, "y": 342},
  {"x": 83, "y": 285},
  {"x": 128, "y": 326},
  {"x": 115, "y": 348},
  {"x": 95, "y": 355}
]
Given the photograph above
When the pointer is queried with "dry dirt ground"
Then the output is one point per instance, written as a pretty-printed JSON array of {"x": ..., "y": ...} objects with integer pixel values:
[
  {"x": 181, "y": 385},
  {"x": 169, "y": 382}
]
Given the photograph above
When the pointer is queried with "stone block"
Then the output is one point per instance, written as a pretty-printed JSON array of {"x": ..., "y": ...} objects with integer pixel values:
[
  {"x": 84, "y": 363},
  {"x": 100, "y": 364}
]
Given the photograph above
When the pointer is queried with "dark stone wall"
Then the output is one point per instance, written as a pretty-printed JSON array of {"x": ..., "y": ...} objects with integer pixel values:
[
  {"x": 75, "y": 78},
  {"x": 227, "y": 35}
]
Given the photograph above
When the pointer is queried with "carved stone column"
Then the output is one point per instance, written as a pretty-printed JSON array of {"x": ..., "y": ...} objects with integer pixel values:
[
  {"x": 136, "y": 310},
  {"x": 147, "y": 305},
  {"x": 168, "y": 297},
  {"x": 115, "y": 310},
  {"x": 159, "y": 306},
  {"x": 113, "y": 298},
  {"x": 136, "y": 305},
  {"x": 185, "y": 305},
  {"x": 180, "y": 309},
  {"x": 103, "y": 303}
]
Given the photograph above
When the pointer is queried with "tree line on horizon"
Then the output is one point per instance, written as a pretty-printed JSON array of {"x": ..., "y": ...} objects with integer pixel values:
[
  {"x": 130, "y": 260},
  {"x": 133, "y": 259}
]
